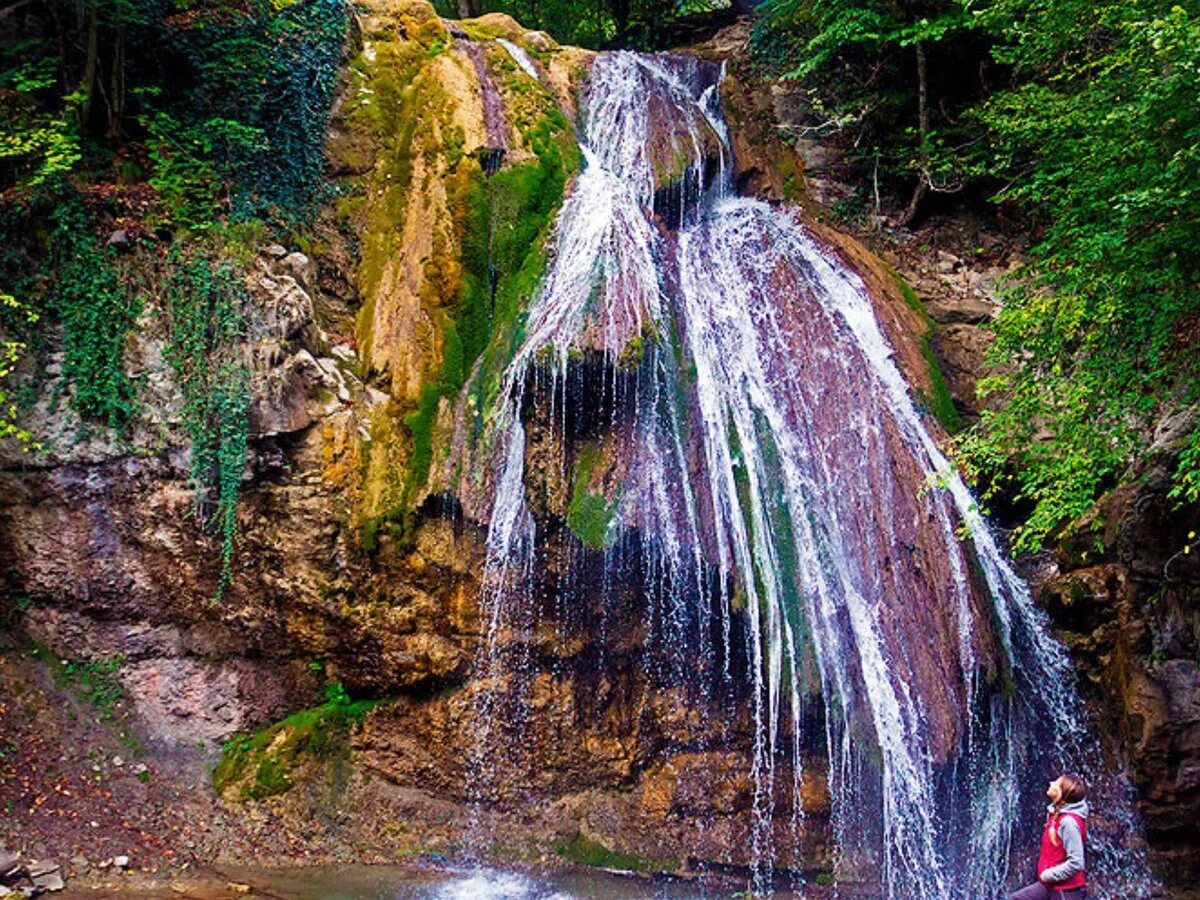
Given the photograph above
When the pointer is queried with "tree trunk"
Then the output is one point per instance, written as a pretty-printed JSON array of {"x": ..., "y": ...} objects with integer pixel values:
[
  {"x": 116, "y": 109},
  {"x": 88, "y": 82},
  {"x": 922, "y": 186},
  {"x": 469, "y": 9}
]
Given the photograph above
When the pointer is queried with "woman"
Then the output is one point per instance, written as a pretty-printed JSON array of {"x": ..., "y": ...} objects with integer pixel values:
[{"x": 1060, "y": 866}]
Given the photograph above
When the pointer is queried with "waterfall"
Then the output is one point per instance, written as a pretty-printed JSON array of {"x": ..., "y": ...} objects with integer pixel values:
[{"x": 727, "y": 411}]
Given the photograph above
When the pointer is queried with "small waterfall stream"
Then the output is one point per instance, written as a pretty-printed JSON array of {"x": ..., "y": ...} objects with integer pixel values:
[{"x": 742, "y": 444}]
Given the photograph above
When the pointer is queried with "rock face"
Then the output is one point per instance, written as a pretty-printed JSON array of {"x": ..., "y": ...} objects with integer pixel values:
[
  {"x": 1125, "y": 591},
  {"x": 348, "y": 569}
]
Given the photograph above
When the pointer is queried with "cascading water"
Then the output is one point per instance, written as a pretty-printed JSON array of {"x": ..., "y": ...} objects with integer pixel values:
[{"x": 769, "y": 483}]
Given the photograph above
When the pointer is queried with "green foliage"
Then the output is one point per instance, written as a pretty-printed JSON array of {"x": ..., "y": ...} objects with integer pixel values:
[
  {"x": 97, "y": 313},
  {"x": 627, "y": 23},
  {"x": 1187, "y": 471},
  {"x": 859, "y": 61},
  {"x": 96, "y": 682},
  {"x": 204, "y": 299},
  {"x": 37, "y": 145},
  {"x": 10, "y": 351},
  {"x": 185, "y": 173},
  {"x": 1098, "y": 333},
  {"x": 264, "y": 76},
  {"x": 1084, "y": 116}
]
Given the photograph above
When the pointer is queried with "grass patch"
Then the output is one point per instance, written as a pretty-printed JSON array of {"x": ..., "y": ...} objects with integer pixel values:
[{"x": 96, "y": 682}]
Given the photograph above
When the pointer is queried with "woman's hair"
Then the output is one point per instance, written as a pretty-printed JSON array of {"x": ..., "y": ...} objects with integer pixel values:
[{"x": 1073, "y": 789}]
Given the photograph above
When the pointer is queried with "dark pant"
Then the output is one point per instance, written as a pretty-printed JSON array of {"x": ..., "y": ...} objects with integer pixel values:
[{"x": 1039, "y": 891}]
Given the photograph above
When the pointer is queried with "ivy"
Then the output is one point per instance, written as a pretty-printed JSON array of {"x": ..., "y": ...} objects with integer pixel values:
[
  {"x": 97, "y": 314},
  {"x": 1186, "y": 488},
  {"x": 185, "y": 173},
  {"x": 204, "y": 299},
  {"x": 271, "y": 69}
]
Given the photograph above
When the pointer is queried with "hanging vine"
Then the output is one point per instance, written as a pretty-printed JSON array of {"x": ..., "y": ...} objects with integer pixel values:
[{"x": 204, "y": 299}]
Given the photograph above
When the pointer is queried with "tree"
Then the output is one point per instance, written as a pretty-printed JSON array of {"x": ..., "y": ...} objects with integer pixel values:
[{"x": 868, "y": 65}]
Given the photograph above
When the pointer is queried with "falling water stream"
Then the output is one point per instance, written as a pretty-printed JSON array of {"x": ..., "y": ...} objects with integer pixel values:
[{"x": 763, "y": 455}]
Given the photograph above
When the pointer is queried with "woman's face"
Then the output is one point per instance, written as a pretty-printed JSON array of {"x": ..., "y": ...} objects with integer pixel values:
[{"x": 1054, "y": 790}]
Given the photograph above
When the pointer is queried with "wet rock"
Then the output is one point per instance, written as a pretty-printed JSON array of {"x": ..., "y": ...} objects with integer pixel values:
[{"x": 291, "y": 395}]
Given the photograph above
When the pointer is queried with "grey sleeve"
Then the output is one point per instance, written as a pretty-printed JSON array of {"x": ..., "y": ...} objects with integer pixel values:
[{"x": 1072, "y": 840}]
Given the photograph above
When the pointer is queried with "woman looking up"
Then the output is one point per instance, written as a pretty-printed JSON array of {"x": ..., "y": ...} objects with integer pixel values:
[{"x": 1060, "y": 868}]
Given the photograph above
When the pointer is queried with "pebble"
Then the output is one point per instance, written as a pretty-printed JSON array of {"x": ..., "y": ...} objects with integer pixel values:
[
  {"x": 117, "y": 761},
  {"x": 121, "y": 862}
]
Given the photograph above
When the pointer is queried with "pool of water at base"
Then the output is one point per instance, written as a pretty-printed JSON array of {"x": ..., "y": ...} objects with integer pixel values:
[
  {"x": 446, "y": 881},
  {"x": 455, "y": 882}
]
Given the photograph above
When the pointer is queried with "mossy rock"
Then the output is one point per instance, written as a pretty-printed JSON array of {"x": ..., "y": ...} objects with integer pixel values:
[
  {"x": 592, "y": 853},
  {"x": 591, "y": 515},
  {"x": 262, "y": 765},
  {"x": 938, "y": 401}
]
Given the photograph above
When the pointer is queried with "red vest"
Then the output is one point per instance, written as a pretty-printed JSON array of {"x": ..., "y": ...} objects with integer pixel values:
[{"x": 1053, "y": 851}]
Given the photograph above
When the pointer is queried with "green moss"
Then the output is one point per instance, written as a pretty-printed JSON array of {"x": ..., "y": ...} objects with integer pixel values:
[
  {"x": 486, "y": 262},
  {"x": 264, "y": 763},
  {"x": 592, "y": 853},
  {"x": 420, "y": 426},
  {"x": 939, "y": 401},
  {"x": 590, "y": 514},
  {"x": 634, "y": 351},
  {"x": 503, "y": 223}
]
